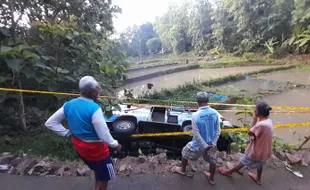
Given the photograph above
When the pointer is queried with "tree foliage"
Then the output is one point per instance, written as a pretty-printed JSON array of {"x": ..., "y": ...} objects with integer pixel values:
[
  {"x": 153, "y": 45},
  {"x": 50, "y": 45},
  {"x": 233, "y": 26},
  {"x": 134, "y": 39}
]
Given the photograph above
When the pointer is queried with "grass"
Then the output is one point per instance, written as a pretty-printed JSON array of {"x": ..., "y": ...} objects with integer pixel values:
[
  {"x": 225, "y": 61},
  {"x": 44, "y": 144},
  {"x": 228, "y": 61}
]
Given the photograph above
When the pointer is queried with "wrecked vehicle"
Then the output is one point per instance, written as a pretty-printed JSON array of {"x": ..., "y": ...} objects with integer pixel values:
[{"x": 156, "y": 119}]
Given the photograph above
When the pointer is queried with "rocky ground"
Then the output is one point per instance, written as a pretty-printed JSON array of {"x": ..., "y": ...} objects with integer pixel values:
[{"x": 22, "y": 164}]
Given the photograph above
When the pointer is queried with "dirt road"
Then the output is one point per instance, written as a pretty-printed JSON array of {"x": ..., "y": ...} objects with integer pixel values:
[{"x": 279, "y": 179}]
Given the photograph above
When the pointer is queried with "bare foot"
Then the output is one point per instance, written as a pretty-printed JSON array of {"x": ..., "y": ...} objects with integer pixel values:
[
  {"x": 207, "y": 174},
  {"x": 254, "y": 178},
  {"x": 178, "y": 170},
  {"x": 224, "y": 171}
]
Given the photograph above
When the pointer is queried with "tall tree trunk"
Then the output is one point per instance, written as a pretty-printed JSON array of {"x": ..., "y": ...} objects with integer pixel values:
[{"x": 21, "y": 108}]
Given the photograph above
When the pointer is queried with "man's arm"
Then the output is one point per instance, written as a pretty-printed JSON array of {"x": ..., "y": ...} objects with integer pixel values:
[
  {"x": 102, "y": 129},
  {"x": 218, "y": 131},
  {"x": 255, "y": 131},
  {"x": 54, "y": 123},
  {"x": 200, "y": 142}
]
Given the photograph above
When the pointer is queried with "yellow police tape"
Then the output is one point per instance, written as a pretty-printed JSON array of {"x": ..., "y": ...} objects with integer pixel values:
[
  {"x": 234, "y": 130},
  {"x": 244, "y": 111},
  {"x": 111, "y": 97}
]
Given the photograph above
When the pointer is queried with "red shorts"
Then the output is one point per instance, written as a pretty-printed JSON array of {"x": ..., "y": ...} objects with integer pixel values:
[{"x": 95, "y": 151}]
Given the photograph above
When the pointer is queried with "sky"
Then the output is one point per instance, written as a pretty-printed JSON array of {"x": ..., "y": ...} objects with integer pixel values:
[{"x": 139, "y": 11}]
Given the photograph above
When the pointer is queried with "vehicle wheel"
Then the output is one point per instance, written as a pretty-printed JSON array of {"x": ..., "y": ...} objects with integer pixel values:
[
  {"x": 124, "y": 127},
  {"x": 187, "y": 128}
]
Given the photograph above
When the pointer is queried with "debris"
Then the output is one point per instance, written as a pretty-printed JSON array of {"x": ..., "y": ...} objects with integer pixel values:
[
  {"x": 6, "y": 159},
  {"x": 39, "y": 168},
  {"x": 281, "y": 155},
  {"x": 60, "y": 171},
  {"x": 4, "y": 168},
  {"x": 229, "y": 165},
  {"x": 122, "y": 168},
  {"x": 222, "y": 155},
  {"x": 303, "y": 163},
  {"x": 296, "y": 173},
  {"x": 21, "y": 167},
  {"x": 162, "y": 158},
  {"x": 141, "y": 159},
  {"x": 6, "y": 154},
  {"x": 85, "y": 171},
  {"x": 293, "y": 159},
  {"x": 220, "y": 160},
  {"x": 303, "y": 143}
]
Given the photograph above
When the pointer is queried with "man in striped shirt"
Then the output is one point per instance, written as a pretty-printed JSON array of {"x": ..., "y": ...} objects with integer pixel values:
[{"x": 91, "y": 137}]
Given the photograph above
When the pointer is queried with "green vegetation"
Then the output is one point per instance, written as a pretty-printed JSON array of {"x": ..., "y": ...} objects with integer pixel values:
[
  {"x": 58, "y": 44},
  {"x": 231, "y": 61},
  {"x": 276, "y": 27},
  {"x": 45, "y": 144}
]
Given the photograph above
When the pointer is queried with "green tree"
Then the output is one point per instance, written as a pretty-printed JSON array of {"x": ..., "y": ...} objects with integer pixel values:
[
  {"x": 153, "y": 45},
  {"x": 49, "y": 45},
  {"x": 301, "y": 13},
  {"x": 200, "y": 31}
]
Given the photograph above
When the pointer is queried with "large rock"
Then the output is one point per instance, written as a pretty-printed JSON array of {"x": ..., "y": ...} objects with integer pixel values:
[{"x": 293, "y": 159}]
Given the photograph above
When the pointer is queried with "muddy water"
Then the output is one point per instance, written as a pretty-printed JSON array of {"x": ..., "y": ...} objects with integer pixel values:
[
  {"x": 249, "y": 87},
  {"x": 175, "y": 79},
  {"x": 296, "y": 97},
  {"x": 295, "y": 77}
]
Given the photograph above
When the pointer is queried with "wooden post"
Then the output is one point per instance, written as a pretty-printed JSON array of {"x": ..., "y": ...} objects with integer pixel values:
[{"x": 305, "y": 141}]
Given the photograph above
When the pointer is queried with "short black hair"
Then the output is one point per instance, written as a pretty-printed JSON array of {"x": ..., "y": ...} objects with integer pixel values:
[{"x": 263, "y": 109}]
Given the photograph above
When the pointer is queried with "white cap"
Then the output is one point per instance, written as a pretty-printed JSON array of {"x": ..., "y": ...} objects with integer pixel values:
[
  {"x": 202, "y": 97},
  {"x": 88, "y": 83}
]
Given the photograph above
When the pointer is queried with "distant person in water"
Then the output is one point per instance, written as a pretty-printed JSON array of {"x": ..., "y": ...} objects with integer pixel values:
[
  {"x": 260, "y": 147},
  {"x": 91, "y": 137},
  {"x": 206, "y": 128}
]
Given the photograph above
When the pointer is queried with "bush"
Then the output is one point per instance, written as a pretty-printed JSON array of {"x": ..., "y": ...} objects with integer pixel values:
[{"x": 248, "y": 56}]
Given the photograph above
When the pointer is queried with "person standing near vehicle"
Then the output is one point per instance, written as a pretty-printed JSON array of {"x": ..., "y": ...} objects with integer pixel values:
[
  {"x": 91, "y": 137},
  {"x": 259, "y": 149},
  {"x": 206, "y": 128}
]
